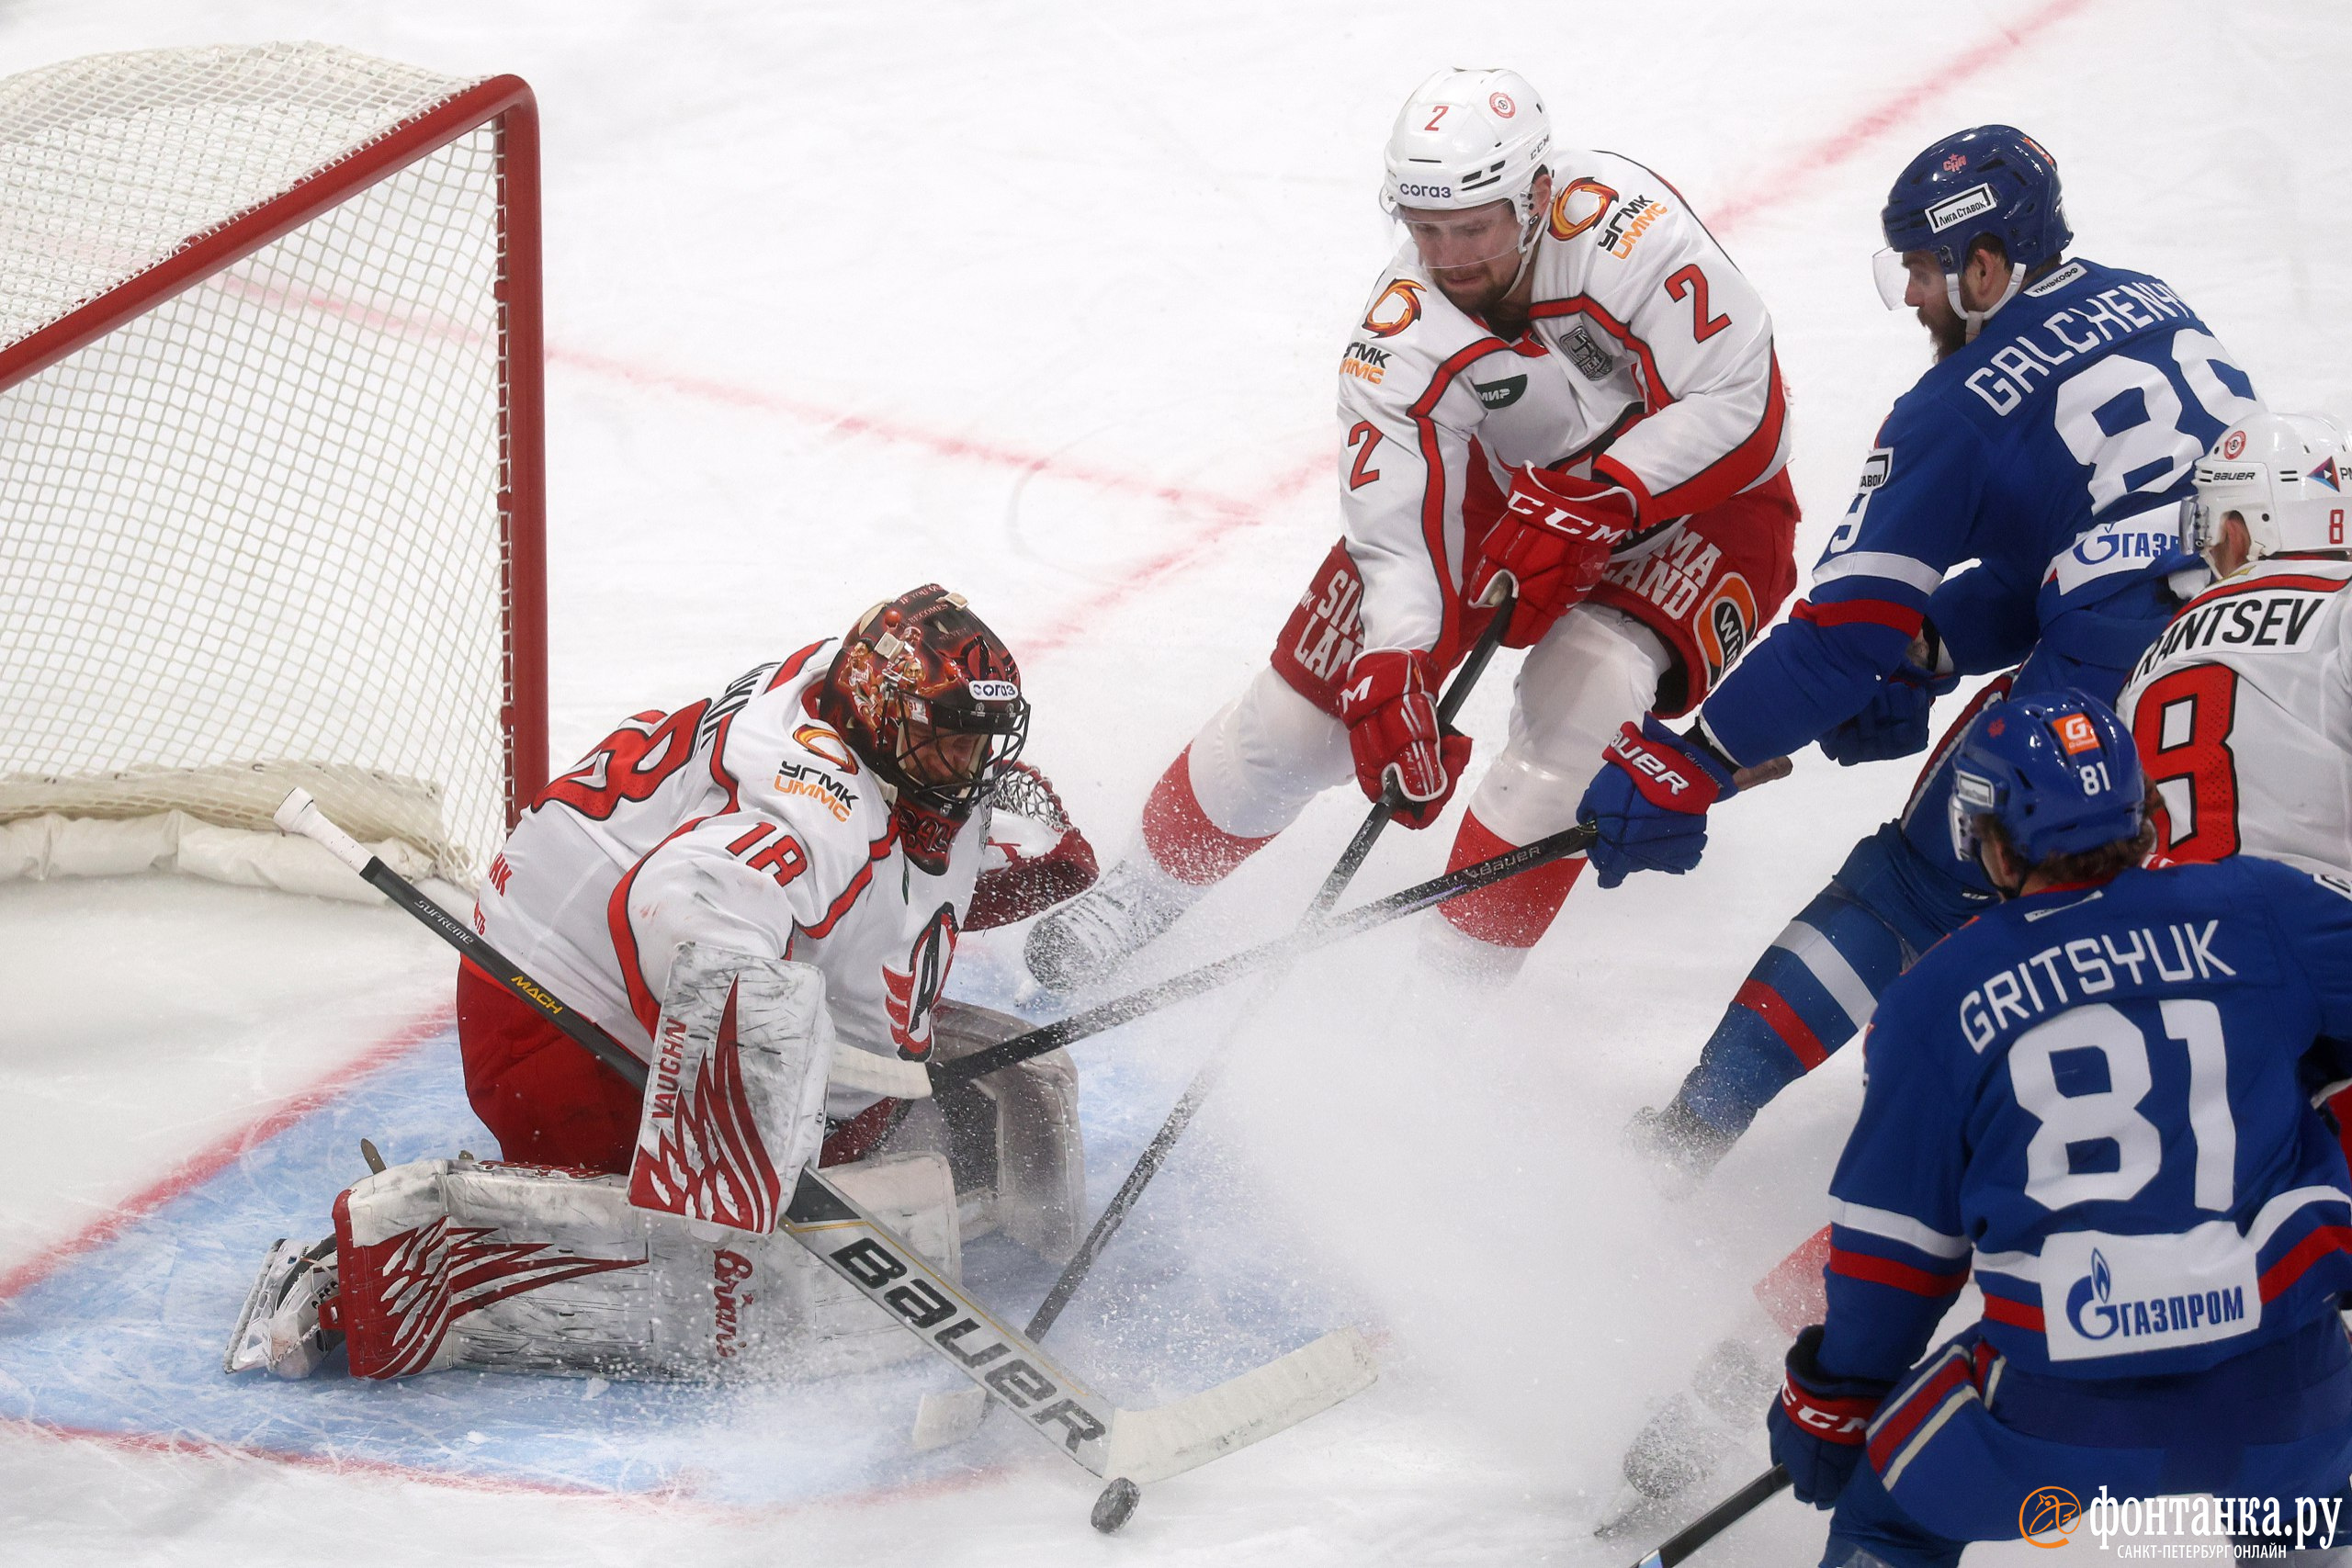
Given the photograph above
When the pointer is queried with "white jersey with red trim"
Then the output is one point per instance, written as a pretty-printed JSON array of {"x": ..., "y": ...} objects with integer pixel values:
[
  {"x": 1648, "y": 357},
  {"x": 2243, "y": 713},
  {"x": 744, "y": 821}
]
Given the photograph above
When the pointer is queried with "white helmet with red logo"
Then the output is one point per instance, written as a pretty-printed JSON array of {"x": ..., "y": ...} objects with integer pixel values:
[
  {"x": 1464, "y": 139},
  {"x": 2285, "y": 475}
]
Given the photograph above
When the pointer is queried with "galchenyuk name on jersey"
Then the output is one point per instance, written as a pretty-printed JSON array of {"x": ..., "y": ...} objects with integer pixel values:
[
  {"x": 1501, "y": 394},
  {"x": 2112, "y": 314},
  {"x": 2096, "y": 965}
]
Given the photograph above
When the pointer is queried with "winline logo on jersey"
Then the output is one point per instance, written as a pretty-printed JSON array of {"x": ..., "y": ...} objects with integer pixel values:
[{"x": 2224, "y": 1529}]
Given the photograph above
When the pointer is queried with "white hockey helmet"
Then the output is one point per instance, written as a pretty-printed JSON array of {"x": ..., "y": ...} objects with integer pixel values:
[
  {"x": 1467, "y": 137},
  {"x": 2285, "y": 474}
]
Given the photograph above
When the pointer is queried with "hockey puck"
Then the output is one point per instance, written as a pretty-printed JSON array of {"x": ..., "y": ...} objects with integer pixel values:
[{"x": 1116, "y": 1506}]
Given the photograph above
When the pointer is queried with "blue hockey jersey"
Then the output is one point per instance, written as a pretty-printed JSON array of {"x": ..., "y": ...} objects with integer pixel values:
[
  {"x": 2054, "y": 452},
  {"x": 2099, "y": 1097}
]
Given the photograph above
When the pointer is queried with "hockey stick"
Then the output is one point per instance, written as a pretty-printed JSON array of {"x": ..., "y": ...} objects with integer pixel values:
[
  {"x": 1307, "y": 938},
  {"x": 1716, "y": 1520},
  {"x": 1125, "y": 1448},
  {"x": 950, "y": 1417}
]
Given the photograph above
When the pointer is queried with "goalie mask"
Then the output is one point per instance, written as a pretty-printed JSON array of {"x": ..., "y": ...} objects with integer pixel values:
[{"x": 930, "y": 699}]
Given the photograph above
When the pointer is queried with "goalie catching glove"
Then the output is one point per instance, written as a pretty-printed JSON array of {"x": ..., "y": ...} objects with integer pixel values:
[
  {"x": 1390, "y": 709},
  {"x": 1553, "y": 538}
]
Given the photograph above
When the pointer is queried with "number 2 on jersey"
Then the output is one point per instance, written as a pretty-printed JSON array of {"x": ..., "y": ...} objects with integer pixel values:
[{"x": 1690, "y": 281}]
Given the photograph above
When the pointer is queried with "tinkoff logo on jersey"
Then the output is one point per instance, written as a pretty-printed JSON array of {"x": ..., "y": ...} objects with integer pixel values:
[{"x": 2133, "y": 1293}]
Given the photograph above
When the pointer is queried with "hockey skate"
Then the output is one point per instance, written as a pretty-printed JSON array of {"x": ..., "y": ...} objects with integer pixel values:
[
  {"x": 1679, "y": 1148},
  {"x": 1087, "y": 939},
  {"x": 287, "y": 1326},
  {"x": 1691, "y": 1434}
]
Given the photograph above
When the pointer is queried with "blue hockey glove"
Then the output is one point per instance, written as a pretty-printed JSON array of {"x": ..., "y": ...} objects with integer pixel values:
[
  {"x": 1896, "y": 722},
  {"x": 1817, "y": 1425},
  {"x": 1650, "y": 802}
]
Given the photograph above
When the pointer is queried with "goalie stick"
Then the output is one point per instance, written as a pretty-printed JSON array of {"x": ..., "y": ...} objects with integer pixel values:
[
  {"x": 1126, "y": 1448},
  {"x": 949, "y": 1417}
]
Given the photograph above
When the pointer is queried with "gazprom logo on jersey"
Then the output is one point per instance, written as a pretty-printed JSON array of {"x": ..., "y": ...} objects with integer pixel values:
[
  {"x": 1958, "y": 208},
  {"x": 2125, "y": 544},
  {"x": 2149, "y": 1293}
]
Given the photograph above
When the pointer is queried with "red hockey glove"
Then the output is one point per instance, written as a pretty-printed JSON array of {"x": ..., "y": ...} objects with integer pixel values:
[
  {"x": 1555, "y": 537},
  {"x": 1390, "y": 708}
]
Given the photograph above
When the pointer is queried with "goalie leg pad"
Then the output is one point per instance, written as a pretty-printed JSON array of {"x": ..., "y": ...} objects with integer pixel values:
[
  {"x": 735, "y": 1100},
  {"x": 526, "y": 1268},
  {"x": 1011, "y": 1137}
]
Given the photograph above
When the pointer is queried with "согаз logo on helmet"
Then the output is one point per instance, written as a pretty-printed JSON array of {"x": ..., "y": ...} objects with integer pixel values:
[{"x": 1443, "y": 193}]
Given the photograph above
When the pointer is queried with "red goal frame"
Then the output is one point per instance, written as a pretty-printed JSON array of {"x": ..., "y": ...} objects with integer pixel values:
[{"x": 508, "y": 103}]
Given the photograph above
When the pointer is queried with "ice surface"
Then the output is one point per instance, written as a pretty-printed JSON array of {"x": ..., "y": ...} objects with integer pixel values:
[{"x": 1043, "y": 300}]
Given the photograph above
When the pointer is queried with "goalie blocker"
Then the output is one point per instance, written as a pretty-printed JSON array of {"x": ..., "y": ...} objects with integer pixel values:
[{"x": 671, "y": 1270}]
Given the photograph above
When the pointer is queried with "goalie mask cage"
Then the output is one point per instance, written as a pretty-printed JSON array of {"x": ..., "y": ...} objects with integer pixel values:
[{"x": 271, "y": 494}]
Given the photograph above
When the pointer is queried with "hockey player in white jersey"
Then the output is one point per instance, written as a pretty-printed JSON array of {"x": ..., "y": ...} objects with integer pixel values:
[
  {"x": 760, "y": 893},
  {"x": 2242, "y": 710},
  {"x": 1560, "y": 376}
]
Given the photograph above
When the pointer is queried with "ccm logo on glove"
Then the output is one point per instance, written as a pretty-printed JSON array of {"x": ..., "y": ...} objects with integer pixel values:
[{"x": 1832, "y": 1420}]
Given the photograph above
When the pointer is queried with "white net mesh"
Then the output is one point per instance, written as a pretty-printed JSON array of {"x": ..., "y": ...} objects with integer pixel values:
[{"x": 255, "y": 532}]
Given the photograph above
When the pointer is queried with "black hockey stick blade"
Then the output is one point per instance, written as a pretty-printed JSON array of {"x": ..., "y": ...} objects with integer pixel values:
[{"x": 1716, "y": 1520}]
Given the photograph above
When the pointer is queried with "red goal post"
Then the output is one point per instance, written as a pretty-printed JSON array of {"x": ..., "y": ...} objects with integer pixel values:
[{"x": 272, "y": 472}]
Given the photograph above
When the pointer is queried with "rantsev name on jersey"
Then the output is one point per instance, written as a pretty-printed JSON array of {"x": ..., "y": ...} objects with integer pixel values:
[
  {"x": 745, "y": 822},
  {"x": 1646, "y": 354},
  {"x": 2243, "y": 713}
]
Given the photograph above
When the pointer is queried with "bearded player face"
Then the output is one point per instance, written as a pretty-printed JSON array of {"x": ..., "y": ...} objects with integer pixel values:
[{"x": 1472, "y": 256}]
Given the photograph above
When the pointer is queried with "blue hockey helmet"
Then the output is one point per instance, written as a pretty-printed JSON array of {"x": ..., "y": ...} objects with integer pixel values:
[
  {"x": 2059, "y": 773},
  {"x": 1992, "y": 180}
]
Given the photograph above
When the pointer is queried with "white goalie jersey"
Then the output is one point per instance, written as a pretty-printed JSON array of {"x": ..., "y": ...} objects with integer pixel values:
[
  {"x": 2242, "y": 714},
  {"x": 743, "y": 822},
  {"x": 1647, "y": 360}
]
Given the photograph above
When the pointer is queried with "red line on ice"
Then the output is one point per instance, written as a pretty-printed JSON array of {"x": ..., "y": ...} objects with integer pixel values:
[
  {"x": 210, "y": 1160},
  {"x": 1231, "y": 515},
  {"x": 1891, "y": 111},
  {"x": 174, "y": 1445}
]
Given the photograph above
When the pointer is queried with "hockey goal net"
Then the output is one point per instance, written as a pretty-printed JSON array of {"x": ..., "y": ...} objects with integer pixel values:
[{"x": 271, "y": 502}]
